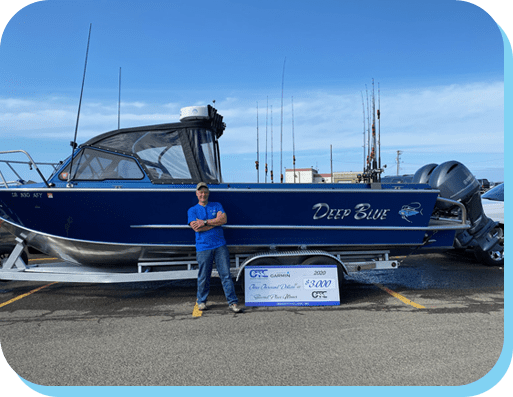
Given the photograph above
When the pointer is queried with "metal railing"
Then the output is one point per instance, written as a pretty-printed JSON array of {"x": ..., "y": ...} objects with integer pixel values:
[{"x": 31, "y": 163}]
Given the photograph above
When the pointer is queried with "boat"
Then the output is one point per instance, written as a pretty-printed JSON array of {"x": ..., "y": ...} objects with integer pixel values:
[{"x": 122, "y": 198}]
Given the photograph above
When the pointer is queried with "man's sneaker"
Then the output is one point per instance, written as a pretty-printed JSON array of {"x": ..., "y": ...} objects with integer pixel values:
[
  {"x": 234, "y": 308},
  {"x": 202, "y": 306}
]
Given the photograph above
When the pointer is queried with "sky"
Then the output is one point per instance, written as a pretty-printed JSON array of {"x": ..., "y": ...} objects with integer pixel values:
[{"x": 436, "y": 68}]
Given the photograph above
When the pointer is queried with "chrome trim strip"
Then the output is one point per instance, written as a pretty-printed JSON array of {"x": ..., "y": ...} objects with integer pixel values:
[{"x": 302, "y": 227}]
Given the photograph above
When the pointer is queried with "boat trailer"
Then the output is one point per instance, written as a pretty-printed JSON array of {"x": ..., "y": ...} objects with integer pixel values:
[{"x": 15, "y": 267}]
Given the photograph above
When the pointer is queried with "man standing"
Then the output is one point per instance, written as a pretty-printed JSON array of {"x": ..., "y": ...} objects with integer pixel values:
[{"x": 206, "y": 220}]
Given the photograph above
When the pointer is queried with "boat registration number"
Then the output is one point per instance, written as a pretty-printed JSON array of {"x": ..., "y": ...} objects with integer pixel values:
[{"x": 27, "y": 194}]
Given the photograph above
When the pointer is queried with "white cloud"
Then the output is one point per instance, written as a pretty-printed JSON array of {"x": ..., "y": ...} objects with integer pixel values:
[{"x": 441, "y": 120}]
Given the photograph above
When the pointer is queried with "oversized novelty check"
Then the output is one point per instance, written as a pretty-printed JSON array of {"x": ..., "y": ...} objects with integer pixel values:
[{"x": 301, "y": 285}]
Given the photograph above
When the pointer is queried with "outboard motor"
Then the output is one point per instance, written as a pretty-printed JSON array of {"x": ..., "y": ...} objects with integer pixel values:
[
  {"x": 422, "y": 175},
  {"x": 456, "y": 182}
]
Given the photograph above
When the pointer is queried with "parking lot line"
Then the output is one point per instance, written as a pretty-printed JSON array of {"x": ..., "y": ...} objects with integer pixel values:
[
  {"x": 42, "y": 259},
  {"x": 399, "y": 296},
  {"x": 27, "y": 294}
]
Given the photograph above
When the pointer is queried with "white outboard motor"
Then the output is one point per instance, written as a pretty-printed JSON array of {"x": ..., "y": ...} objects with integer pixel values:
[{"x": 456, "y": 182}]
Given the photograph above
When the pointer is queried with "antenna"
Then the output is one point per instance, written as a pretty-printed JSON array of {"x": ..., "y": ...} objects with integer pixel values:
[
  {"x": 331, "y": 162},
  {"x": 119, "y": 99},
  {"x": 74, "y": 143},
  {"x": 293, "y": 142},
  {"x": 272, "y": 152},
  {"x": 281, "y": 132}
]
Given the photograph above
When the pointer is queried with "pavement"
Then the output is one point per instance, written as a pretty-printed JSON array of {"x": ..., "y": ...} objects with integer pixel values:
[{"x": 437, "y": 320}]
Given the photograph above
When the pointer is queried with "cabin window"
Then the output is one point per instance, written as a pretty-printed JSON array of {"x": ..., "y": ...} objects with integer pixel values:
[
  {"x": 203, "y": 148},
  {"x": 96, "y": 165},
  {"x": 163, "y": 156}
]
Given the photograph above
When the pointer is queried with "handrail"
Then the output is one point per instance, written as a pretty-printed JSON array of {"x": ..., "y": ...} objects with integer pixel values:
[
  {"x": 457, "y": 203},
  {"x": 31, "y": 163}
]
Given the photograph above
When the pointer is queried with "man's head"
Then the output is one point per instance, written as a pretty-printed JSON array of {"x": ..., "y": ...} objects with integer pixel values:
[{"x": 202, "y": 193}]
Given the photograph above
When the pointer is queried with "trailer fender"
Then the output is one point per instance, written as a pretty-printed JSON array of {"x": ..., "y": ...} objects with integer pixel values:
[{"x": 273, "y": 258}]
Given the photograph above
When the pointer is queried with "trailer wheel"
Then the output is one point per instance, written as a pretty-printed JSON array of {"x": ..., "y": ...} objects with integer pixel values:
[
  {"x": 492, "y": 257},
  {"x": 324, "y": 260}
]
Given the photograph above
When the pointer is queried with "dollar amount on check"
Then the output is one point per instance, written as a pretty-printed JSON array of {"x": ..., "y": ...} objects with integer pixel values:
[{"x": 310, "y": 283}]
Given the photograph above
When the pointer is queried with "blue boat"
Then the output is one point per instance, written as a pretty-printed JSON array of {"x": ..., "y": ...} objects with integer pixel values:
[{"x": 122, "y": 199}]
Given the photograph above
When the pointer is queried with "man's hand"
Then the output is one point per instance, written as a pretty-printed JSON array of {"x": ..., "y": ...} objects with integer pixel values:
[{"x": 199, "y": 225}]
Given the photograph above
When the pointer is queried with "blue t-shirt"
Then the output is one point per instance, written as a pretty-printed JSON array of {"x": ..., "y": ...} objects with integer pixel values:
[{"x": 213, "y": 238}]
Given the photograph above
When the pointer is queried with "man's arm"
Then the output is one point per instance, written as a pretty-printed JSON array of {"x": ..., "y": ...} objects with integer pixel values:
[
  {"x": 219, "y": 220},
  {"x": 199, "y": 225}
]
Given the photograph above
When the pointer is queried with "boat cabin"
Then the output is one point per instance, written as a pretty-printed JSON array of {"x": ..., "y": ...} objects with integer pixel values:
[{"x": 179, "y": 153}]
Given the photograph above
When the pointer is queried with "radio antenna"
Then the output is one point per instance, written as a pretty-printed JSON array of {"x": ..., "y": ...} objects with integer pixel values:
[
  {"x": 119, "y": 99},
  {"x": 281, "y": 132},
  {"x": 293, "y": 142},
  {"x": 74, "y": 143}
]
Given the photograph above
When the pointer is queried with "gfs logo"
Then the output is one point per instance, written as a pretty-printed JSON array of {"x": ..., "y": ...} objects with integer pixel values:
[
  {"x": 258, "y": 273},
  {"x": 319, "y": 294}
]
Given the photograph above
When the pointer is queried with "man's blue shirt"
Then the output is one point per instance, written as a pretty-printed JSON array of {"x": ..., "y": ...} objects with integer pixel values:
[{"x": 213, "y": 238}]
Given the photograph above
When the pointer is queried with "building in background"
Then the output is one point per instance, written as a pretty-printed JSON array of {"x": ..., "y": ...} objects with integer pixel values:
[{"x": 311, "y": 175}]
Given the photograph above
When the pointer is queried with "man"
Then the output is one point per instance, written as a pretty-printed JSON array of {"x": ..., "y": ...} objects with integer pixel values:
[{"x": 206, "y": 220}]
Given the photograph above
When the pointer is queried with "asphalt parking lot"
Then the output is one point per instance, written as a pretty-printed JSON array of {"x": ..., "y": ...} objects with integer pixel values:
[{"x": 437, "y": 320}]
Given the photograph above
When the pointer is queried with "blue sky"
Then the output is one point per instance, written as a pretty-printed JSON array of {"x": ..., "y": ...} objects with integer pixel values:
[{"x": 438, "y": 63}]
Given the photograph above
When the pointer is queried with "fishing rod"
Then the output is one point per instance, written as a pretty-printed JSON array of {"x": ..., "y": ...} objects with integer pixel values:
[
  {"x": 379, "y": 127},
  {"x": 368, "y": 128},
  {"x": 272, "y": 151},
  {"x": 266, "y": 117},
  {"x": 258, "y": 153},
  {"x": 363, "y": 108},
  {"x": 374, "y": 142},
  {"x": 74, "y": 143}
]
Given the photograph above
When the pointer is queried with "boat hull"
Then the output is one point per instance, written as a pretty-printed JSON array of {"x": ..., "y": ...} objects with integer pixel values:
[{"x": 120, "y": 226}]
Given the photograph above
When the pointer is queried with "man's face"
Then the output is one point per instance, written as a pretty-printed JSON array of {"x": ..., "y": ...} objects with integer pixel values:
[{"x": 202, "y": 195}]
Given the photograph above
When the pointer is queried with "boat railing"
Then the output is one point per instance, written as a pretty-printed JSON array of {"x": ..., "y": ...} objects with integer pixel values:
[
  {"x": 461, "y": 206},
  {"x": 31, "y": 164}
]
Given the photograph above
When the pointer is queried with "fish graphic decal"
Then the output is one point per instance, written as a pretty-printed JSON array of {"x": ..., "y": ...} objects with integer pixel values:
[{"x": 410, "y": 210}]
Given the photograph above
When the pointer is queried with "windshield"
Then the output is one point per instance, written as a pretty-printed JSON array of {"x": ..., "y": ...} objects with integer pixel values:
[
  {"x": 173, "y": 154},
  {"x": 161, "y": 152},
  {"x": 97, "y": 165},
  {"x": 496, "y": 193}
]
